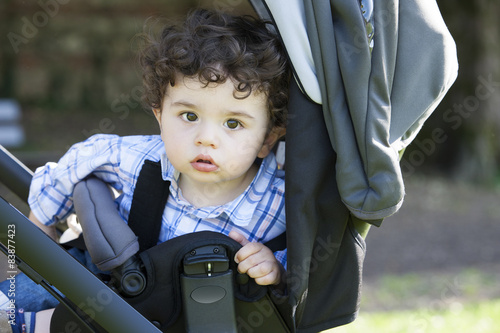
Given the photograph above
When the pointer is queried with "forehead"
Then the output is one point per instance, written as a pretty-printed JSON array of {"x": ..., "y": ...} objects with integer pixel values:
[{"x": 225, "y": 94}]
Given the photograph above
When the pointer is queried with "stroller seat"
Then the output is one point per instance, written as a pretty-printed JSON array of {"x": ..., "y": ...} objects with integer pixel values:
[{"x": 187, "y": 284}]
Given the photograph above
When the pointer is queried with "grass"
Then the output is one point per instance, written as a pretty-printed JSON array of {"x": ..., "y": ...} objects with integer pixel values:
[
  {"x": 457, "y": 318},
  {"x": 452, "y": 302}
]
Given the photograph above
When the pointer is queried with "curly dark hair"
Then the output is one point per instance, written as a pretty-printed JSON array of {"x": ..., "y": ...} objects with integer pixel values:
[{"x": 214, "y": 46}]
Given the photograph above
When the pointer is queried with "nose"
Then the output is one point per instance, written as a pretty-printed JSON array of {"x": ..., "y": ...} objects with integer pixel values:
[{"x": 207, "y": 136}]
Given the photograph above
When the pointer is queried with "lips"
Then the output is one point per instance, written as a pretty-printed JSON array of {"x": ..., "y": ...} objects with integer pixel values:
[{"x": 204, "y": 163}]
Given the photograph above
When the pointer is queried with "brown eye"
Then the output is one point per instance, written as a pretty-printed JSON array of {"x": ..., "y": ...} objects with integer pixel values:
[
  {"x": 232, "y": 124},
  {"x": 189, "y": 116}
]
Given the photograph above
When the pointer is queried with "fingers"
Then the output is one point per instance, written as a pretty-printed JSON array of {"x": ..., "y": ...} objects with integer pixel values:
[
  {"x": 238, "y": 237},
  {"x": 265, "y": 273},
  {"x": 259, "y": 263},
  {"x": 252, "y": 253},
  {"x": 256, "y": 260}
]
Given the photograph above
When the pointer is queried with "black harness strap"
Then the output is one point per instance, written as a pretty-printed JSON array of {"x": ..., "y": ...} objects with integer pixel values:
[
  {"x": 278, "y": 243},
  {"x": 148, "y": 203}
]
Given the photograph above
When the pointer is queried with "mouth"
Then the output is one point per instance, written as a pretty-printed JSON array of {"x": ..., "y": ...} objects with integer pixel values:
[
  {"x": 204, "y": 163},
  {"x": 202, "y": 158}
]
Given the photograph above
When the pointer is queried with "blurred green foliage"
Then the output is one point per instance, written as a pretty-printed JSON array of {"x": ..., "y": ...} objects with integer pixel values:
[
  {"x": 72, "y": 65},
  {"x": 468, "y": 115}
]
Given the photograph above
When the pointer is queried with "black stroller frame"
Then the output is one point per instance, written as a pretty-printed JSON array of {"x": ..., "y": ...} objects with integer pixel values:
[{"x": 23, "y": 242}]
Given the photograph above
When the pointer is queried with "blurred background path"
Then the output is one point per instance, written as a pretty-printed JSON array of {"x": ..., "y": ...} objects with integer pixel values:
[{"x": 446, "y": 237}]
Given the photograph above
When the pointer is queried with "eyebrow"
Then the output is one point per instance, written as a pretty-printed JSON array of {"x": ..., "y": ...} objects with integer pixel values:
[
  {"x": 184, "y": 103},
  {"x": 240, "y": 114}
]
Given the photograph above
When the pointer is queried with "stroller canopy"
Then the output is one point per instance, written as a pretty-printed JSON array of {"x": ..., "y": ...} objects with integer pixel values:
[
  {"x": 379, "y": 69},
  {"x": 370, "y": 72}
]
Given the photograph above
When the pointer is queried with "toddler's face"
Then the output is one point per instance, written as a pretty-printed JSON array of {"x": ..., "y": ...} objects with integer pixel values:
[{"x": 210, "y": 136}]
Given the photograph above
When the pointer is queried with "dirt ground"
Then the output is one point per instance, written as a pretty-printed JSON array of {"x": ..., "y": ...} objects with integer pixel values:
[
  {"x": 441, "y": 226},
  {"x": 446, "y": 237}
]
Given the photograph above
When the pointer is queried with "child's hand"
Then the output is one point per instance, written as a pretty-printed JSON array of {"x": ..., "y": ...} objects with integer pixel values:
[{"x": 257, "y": 261}]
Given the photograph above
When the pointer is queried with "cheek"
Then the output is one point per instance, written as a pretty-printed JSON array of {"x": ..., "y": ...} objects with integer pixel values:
[
  {"x": 235, "y": 167},
  {"x": 173, "y": 144},
  {"x": 255, "y": 141},
  {"x": 247, "y": 147},
  {"x": 243, "y": 153}
]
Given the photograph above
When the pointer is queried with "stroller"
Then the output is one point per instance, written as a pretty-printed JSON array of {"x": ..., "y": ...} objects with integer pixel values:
[{"x": 362, "y": 89}]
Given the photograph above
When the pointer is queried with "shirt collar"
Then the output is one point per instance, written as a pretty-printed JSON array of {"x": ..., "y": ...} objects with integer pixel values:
[
  {"x": 240, "y": 210},
  {"x": 169, "y": 173}
]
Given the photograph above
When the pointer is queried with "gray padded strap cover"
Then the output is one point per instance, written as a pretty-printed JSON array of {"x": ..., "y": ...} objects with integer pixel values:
[{"x": 107, "y": 236}]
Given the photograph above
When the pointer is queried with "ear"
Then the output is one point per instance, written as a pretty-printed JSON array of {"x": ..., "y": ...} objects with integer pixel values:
[
  {"x": 157, "y": 113},
  {"x": 272, "y": 137}
]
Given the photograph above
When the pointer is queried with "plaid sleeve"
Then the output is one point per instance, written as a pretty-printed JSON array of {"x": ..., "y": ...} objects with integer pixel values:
[
  {"x": 281, "y": 256},
  {"x": 51, "y": 189}
]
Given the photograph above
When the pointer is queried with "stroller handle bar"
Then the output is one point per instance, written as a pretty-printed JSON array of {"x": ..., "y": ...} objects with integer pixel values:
[
  {"x": 15, "y": 175},
  {"x": 36, "y": 252}
]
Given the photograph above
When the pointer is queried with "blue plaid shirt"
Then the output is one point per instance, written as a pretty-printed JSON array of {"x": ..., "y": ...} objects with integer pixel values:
[{"x": 258, "y": 213}]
